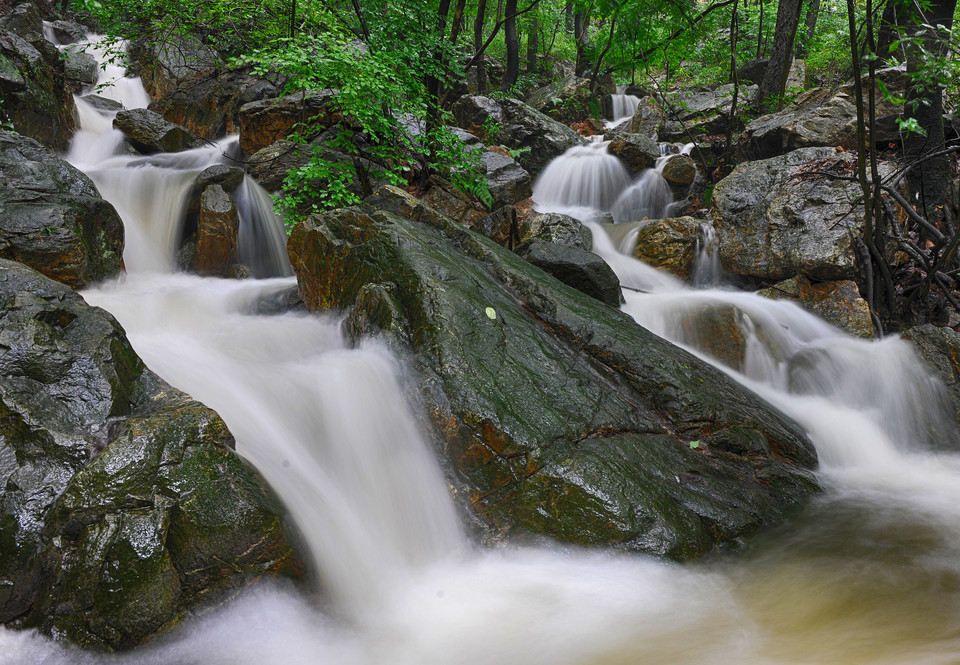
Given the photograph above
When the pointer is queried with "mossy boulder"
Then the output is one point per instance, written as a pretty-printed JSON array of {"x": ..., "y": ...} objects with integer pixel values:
[
  {"x": 52, "y": 217},
  {"x": 122, "y": 502},
  {"x": 556, "y": 414}
]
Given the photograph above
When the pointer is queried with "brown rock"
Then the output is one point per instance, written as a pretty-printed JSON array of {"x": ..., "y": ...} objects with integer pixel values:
[
  {"x": 637, "y": 152},
  {"x": 218, "y": 225},
  {"x": 668, "y": 244},
  {"x": 839, "y": 303},
  {"x": 266, "y": 121}
]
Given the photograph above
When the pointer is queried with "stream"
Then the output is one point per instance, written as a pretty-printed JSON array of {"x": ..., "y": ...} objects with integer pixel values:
[{"x": 868, "y": 574}]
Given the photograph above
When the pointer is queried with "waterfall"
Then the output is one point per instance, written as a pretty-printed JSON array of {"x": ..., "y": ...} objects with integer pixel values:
[
  {"x": 706, "y": 257},
  {"x": 584, "y": 176},
  {"x": 868, "y": 575},
  {"x": 624, "y": 106}
]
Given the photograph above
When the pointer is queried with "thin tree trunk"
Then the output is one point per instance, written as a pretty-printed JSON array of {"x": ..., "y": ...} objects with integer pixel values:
[
  {"x": 478, "y": 45},
  {"x": 512, "y": 71},
  {"x": 813, "y": 13},
  {"x": 770, "y": 94},
  {"x": 581, "y": 23},
  {"x": 533, "y": 38}
]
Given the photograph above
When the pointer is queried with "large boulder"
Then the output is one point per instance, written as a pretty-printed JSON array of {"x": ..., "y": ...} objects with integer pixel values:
[
  {"x": 149, "y": 132},
  {"x": 636, "y": 151},
  {"x": 81, "y": 69},
  {"x": 163, "y": 64},
  {"x": 822, "y": 117},
  {"x": 122, "y": 503},
  {"x": 576, "y": 267},
  {"x": 940, "y": 350},
  {"x": 208, "y": 103},
  {"x": 776, "y": 219},
  {"x": 218, "y": 227},
  {"x": 52, "y": 217},
  {"x": 555, "y": 228},
  {"x": 266, "y": 121},
  {"x": 68, "y": 32},
  {"x": 508, "y": 182},
  {"x": 517, "y": 127},
  {"x": 33, "y": 92},
  {"x": 648, "y": 118},
  {"x": 557, "y": 414},
  {"x": 669, "y": 244},
  {"x": 568, "y": 100}
]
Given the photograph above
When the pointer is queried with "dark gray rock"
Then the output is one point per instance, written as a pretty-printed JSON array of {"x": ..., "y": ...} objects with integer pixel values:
[
  {"x": 149, "y": 133},
  {"x": 52, "y": 217},
  {"x": 68, "y": 32},
  {"x": 509, "y": 183},
  {"x": 555, "y": 228},
  {"x": 164, "y": 64},
  {"x": 80, "y": 70},
  {"x": 636, "y": 151},
  {"x": 228, "y": 177},
  {"x": 579, "y": 268}
]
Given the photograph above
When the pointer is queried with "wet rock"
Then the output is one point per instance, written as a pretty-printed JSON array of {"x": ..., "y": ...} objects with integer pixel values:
[
  {"x": 266, "y": 121},
  {"x": 773, "y": 224},
  {"x": 636, "y": 151},
  {"x": 509, "y": 183},
  {"x": 218, "y": 225},
  {"x": 228, "y": 177},
  {"x": 579, "y": 268},
  {"x": 25, "y": 21},
  {"x": 208, "y": 103},
  {"x": 500, "y": 226},
  {"x": 557, "y": 229},
  {"x": 648, "y": 118},
  {"x": 822, "y": 117},
  {"x": 80, "y": 70},
  {"x": 838, "y": 303},
  {"x": 448, "y": 200},
  {"x": 102, "y": 103},
  {"x": 518, "y": 127},
  {"x": 68, "y": 32},
  {"x": 165, "y": 64},
  {"x": 34, "y": 91},
  {"x": 122, "y": 502},
  {"x": 557, "y": 414},
  {"x": 714, "y": 329},
  {"x": 680, "y": 172},
  {"x": 52, "y": 217},
  {"x": 669, "y": 244},
  {"x": 149, "y": 133}
]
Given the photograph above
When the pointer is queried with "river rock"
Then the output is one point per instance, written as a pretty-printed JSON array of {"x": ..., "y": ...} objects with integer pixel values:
[
  {"x": 557, "y": 229},
  {"x": 122, "y": 502},
  {"x": 579, "y": 268},
  {"x": 680, "y": 172},
  {"x": 773, "y": 224},
  {"x": 518, "y": 127},
  {"x": 33, "y": 92},
  {"x": 208, "y": 103},
  {"x": 556, "y": 414},
  {"x": 52, "y": 217},
  {"x": 822, "y": 117},
  {"x": 636, "y": 151},
  {"x": 228, "y": 177},
  {"x": 218, "y": 225},
  {"x": 669, "y": 244},
  {"x": 508, "y": 182},
  {"x": 165, "y": 63},
  {"x": 838, "y": 303},
  {"x": 80, "y": 70},
  {"x": 148, "y": 132},
  {"x": 68, "y": 32},
  {"x": 450, "y": 201},
  {"x": 266, "y": 121}
]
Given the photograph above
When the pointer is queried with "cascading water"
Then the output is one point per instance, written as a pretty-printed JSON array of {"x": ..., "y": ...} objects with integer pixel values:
[
  {"x": 869, "y": 575},
  {"x": 624, "y": 106}
]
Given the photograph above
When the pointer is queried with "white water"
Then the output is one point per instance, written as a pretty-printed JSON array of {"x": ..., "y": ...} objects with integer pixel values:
[
  {"x": 624, "y": 106},
  {"x": 871, "y": 574}
]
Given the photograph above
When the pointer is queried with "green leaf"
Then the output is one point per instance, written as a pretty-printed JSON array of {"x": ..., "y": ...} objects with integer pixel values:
[
  {"x": 694, "y": 445},
  {"x": 491, "y": 313}
]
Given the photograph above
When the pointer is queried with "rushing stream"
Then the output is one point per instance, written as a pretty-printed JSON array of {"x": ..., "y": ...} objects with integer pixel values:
[{"x": 870, "y": 573}]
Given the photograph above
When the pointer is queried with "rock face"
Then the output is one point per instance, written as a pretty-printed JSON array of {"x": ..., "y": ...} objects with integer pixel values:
[
  {"x": 838, "y": 303},
  {"x": 80, "y": 70},
  {"x": 822, "y": 117},
  {"x": 772, "y": 224},
  {"x": 269, "y": 120},
  {"x": 557, "y": 229},
  {"x": 52, "y": 217},
  {"x": 509, "y": 183},
  {"x": 208, "y": 103},
  {"x": 691, "y": 114},
  {"x": 647, "y": 118},
  {"x": 34, "y": 93},
  {"x": 517, "y": 127},
  {"x": 164, "y": 65},
  {"x": 568, "y": 100},
  {"x": 122, "y": 503},
  {"x": 558, "y": 415},
  {"x": 148, "y": 132}
]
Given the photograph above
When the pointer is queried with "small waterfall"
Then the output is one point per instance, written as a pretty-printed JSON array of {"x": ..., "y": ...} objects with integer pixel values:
[
  {"x": 583, "y": 177},
  {"x": 624, "y": 106},
  {"x": 706, "y": 258},
  {"x": 648, "y": 196}
]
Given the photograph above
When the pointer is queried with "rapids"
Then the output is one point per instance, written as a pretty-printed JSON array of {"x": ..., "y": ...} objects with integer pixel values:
[{"x": 869, "y": 574}]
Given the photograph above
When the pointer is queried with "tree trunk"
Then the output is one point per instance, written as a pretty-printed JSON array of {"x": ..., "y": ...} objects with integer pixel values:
[
  {"x": 813, "y": 12},
  {"x": 512, "y": 71},
  {"x": 580, "y": 24},
  {"x": 892, "y": 19},
  {"x": 478, "y": 44},
  {"x": 532, "y": 45},
  {"x": 770, "y": 94},
  {"x": 930, "y": 180},
  {"x": 568, "y": 17}
]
